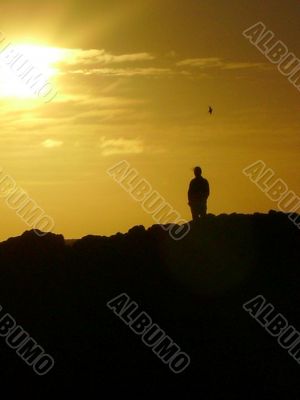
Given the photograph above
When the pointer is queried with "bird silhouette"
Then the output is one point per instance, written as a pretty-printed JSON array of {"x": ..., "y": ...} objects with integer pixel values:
[{"x": 210, "y": 110}]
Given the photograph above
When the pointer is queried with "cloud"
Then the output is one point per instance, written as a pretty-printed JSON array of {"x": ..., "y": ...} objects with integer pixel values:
[
  {"x": 201, "y": 62},
  {"x": 215, "y": 62},
  {"x": 124, "y": 71},
  {"x": 50, "y": 143},
  {"x": 102, "y": 63},
  {"x": 244, "y": 65},
  {"x": 120, "y": 146},
  {"x": 96, "y": 56},
  {"x": 171, "y": 54}
]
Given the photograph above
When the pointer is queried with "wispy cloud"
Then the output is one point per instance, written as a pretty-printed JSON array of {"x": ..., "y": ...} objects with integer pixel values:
[
  {"x": 201, "y": 62},
  {"x": 99, "y": 62},
  {"x": 51, "y": 143},
  {"x": 120, "y": 146},
  {"x": 215, "y": 62},
  {"x": 97, "y": 56},
  {"x": 245, "y": 65},
  {"x": 124, "y": 71},
  {"x": 102, "y": 63}
]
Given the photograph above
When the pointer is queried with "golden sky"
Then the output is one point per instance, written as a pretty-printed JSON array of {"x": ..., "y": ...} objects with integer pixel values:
[{"x": 134, "y": 81}]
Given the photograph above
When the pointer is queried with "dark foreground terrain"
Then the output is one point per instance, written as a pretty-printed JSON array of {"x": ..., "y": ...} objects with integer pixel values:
[{"x": 194, "y": 289}]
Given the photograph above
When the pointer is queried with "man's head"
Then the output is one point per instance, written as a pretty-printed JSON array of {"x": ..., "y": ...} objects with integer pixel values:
[{"x": 197, "y": 172}]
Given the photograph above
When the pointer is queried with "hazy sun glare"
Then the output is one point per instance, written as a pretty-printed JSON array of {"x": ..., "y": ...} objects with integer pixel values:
[{"x": 42, "y": 58}]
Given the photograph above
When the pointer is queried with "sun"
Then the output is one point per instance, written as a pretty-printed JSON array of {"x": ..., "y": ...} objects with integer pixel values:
[{"x": 41, "y": 58}]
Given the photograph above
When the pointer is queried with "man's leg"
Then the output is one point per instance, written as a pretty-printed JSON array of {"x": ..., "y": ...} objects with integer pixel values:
[
  {"x": 195, "y": 213},
  {"x": 203, "y": 209}
]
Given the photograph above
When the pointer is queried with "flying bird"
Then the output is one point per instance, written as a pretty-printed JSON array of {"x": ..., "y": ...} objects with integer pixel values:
[{"x": 210, "y": 110}]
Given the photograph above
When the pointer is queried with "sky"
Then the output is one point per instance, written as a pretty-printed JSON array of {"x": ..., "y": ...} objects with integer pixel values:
[{"x": 134, "y": 80}]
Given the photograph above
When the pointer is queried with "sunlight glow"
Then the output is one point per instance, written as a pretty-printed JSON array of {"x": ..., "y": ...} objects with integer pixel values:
[{"x": 41, "y": 58}]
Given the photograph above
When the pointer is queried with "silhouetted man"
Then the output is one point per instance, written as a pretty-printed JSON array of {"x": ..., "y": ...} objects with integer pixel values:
[{"x": 198, "y": 194}]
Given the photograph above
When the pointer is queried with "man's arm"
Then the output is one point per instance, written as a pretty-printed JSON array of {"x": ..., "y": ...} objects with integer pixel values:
[
  {"x": 189, "y": 192},
  {"x": 207, "y": 190}
]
